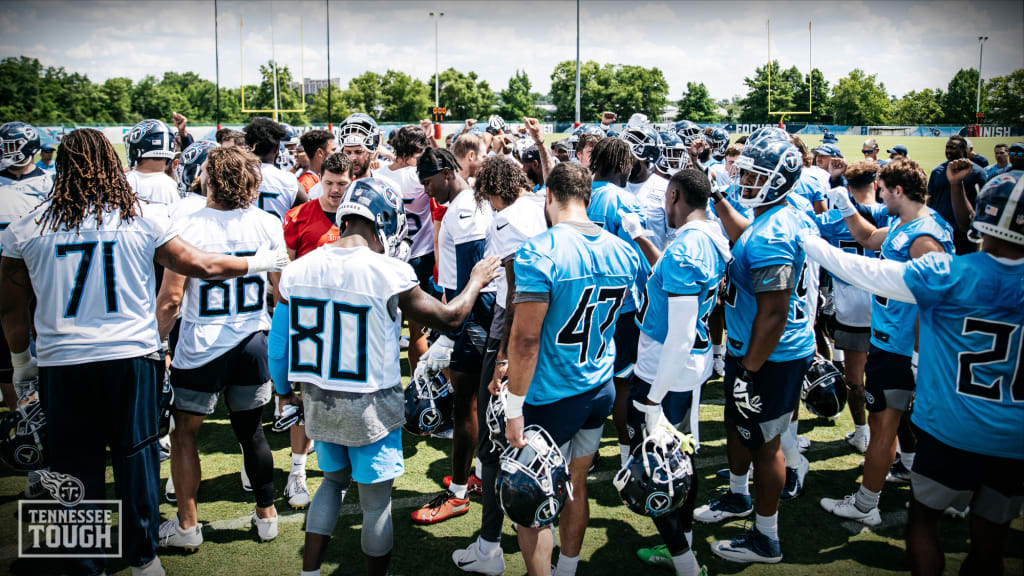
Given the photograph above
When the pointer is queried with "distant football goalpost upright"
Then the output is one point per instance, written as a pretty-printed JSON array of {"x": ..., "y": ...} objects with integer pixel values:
[{"x": 810, "y": 79}]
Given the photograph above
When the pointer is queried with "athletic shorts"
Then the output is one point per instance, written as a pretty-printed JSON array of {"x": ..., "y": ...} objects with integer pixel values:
[
  {"x": 853, "y": 338},
  {"x": 485, "y": 450},
  {"x": 378, "y": 462},
  {"x": 675, "y": 405},
  {"x": 423, "y": 266},
  {"x": 240, "y": 373},
  {"x": 468, "y": 352},
  {"x": 777, "y": 387},
  {"x": 575, "y": 422},
  {"x": 888, "y": 381},
  {"x": 944, "y": 476},
  {"x": 6, "y": 370},
  {"x": 627, "y": 335}
]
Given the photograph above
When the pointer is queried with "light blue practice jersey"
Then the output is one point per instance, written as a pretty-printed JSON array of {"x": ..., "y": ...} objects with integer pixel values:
[
  {"x": 588, "y": 280},
  {"x": 970, "y": 384},
  {"x": 833, "y": 229},
  {"x": 606, "y": 199}
]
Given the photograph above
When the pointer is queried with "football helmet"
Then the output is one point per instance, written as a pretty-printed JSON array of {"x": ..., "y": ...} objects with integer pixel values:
[
  {"x": 290, "y": 416},
  {"x": 719, "y": 141},
  {"x": 192, "y": 162},
  {"x": 423, "y": 415},
  {"x": 688, "y": 132},
  {"x": 22, "y": 437},
  {"x": 999, "y": 208},
  {"x": 533, "y": 481},
  {"x": 495, "y": 419},
  {"x": 644, "y": 142},
  {"x": 674, "y": 156},
  {"x": 166, "y": 402},
  {"x": 824, "y": 389},
  {"x": 291, "y": 137},
  {"x": 657, "y": 477},
  {"x": 767, "y": 133},
  {"x": 637, "y": 119},
  {"x": 777, "y": 165},
  {"x": 149, "y": 139},
  {"x": 495, "y": 124},
  {"x": 592, "y": 129},
  {"x": 20, "y": 144},
  {"x": 359, "y": 130},
  {"x": 381, "y": 204}
]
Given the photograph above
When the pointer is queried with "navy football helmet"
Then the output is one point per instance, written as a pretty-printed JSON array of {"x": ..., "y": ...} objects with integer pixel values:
[
  {"x": 999, "y": 208},
  {"x": 22, "y": 437},
  {"x": 20, "y": 144},
  {"x": 592, "y": 129},
  {"x": 495, "y": 419},
  {"x": 776, "y": 164},
  {"x": 381, "y": 204},
  {"x": 149, "y": 139},
  {"x": 291, "y": 137},
  {"x": 191, "y": 163},
  {"x": 423, "y": 413},
  {"x": 719, "y": 141},
  {"x": 359, "y": 130},
  {"x": 657, "y": 477},
  {"x": 644, "y": 142},
  {"x": 533, "y": 481},
  {"x": 674, "y": 156},
  {"x": 689, "y": 132},
  {"x": 767, "y": 133},
  {"x": 824, "y": 389}
]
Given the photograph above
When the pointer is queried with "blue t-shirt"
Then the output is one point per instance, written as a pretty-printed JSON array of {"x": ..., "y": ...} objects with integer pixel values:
[
  {"x": 970, "y": 380},
  {"x": 892, "y": 322},
  {"x": 691, "y": 265},
  {"x": 770, "y": 240},
  {"x": 941, "y": 200},
  {"x": 588, "y": 280},
  {"x": 810, "y": 188},
  {"x": 50, "y": 169},
  {"x": 800, "y": 203},
  {"x": 606, "y": 199}
]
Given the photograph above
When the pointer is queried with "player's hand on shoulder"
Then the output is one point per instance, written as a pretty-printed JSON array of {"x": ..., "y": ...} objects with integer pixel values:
[
  {"x": 485, "y": 270},
  {"x": 631, "y": 224},
  {"x": 267, "y": 259}
]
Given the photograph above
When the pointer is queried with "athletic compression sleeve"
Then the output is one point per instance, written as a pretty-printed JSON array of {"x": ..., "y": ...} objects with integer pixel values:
[
  {"x": 277, "y": 349},
  {"x": 877, "y": 276},
  {"x": 675, "y": 352}
]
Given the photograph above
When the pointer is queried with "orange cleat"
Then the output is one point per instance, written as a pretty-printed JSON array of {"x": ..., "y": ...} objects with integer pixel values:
[{"x": 442, "y": 507}]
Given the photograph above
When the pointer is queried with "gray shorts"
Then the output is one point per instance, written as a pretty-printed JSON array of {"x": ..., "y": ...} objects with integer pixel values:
[
  {"x": 852, "y": 338},
  {"x": 241, "y": 374},
  {"x": 584, "y": 443}
]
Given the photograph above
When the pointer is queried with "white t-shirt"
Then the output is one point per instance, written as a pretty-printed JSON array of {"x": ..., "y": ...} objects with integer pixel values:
[
  {"x": 95, "y": 287},
  {"x": 16, "y": 199},
  {"x": 277, "y": 190},
  {"x": 218, "y": 314},
  {"x": 464, "y": 221},
  {"x": 417, "y": 208},
  {"x": 187, "y": 206},
  {"x": 513, "y": 226},
  {"x": 154, "y": 187},
  {"x": 652, "y": 200},
  {"x": 344, "y": 325}
]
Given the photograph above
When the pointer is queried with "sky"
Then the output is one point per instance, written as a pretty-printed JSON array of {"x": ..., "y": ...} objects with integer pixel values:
[{"x": 909, "y": 45}]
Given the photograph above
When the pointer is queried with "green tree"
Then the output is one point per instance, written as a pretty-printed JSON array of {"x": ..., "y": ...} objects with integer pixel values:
[
  {"x": 754, "y": 106},
  {"x": 961, "y": 97},
  {"x": 317, "y": 109},
  {"x": 465, "y": 95},
  {"x": 860, "y": 99},
  {"x": 697, "y": 105},
  {"x": 365, "y": 94},
  {"x": 21, "y": 91},
  {"x": 918, "y": 108},
  {"x": 593, "y": 86},
  {"x": 406, "y": 99},
  {"x": 517, "y": 100},
  {"x": 624, "y": 90},
  {"x": 287, "y": 97},
  {"x": 821, "y": 105},
  {"x": 638, "y": 89},
  {"x": 116, "y": 96},
  {"x": 1005, "y": 102}
]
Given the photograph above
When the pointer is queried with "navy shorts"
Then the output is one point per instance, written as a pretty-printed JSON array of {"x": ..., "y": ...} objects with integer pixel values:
[
  {"x": 627, "y": 335},
  {"x": 564, "y": 419},
  {"x": 241, "y": 373},
  {"x": 888, "y": 381},
  {"x": 675, "y": 405},
  {"x": 423, "y": 266},
  {"x": 471, "y": 343},
  {"x": 6, "y": 370},
  {"x": 777, "y": 387}
]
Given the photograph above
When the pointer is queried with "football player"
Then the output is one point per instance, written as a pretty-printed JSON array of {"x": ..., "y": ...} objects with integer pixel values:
[
  {"x": 96, "y": 333},
  {"x": 912, "y": 231},
  {"x": 221, "y": 346},
  {"x": 279, "y": 189},
  {"x": 360, "y": 139},
  {"x": 969, "y": 402},
  {"x": 571, "y": 283},
  {"x": 673, "y": 159},
  {"x": 692, "y": 136},
  {"x": 583, "y": 140},
  {"x": 150, "y": 149},
  {"x": 770, "y": 341},
  {"x": 672, "y": 357},
  {"x": 336, "y": 330},
  {"x": 317, "y": 145},
  {"x": 813, "y": 185}
]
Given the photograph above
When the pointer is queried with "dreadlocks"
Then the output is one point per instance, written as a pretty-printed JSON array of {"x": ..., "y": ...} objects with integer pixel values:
[
  {"x": 611, "y": 155},
  {"x": 88, "y": 179}
]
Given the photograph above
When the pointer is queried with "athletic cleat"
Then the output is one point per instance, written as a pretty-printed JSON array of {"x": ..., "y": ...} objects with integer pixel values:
[
  {"x": 444, "y": 506},
  {"x": 266, "y": 528},
  {"x": 447, "y": 432},
  {"x": 859, "y": 443},
  {"x": 169, "y": 491},
  {"x": 171, "y": 535},
  {"x": 34, "y": 484},
  {"x": 847, "y": 508},
  {"x": 472, "y": 559},
  {"x": 246, "y": 485},
  {"x": 165, "y": 448},
  {"x": 296, "y": 491},
  {"x": 656, "y": 556},
  {"x": 898, "y": 474},
  {"x": 803, "y": 443},
  {"x": 730, "y": 505},
  {"x": 795, "y": 479},
  {"x": 474, "y": 487},
  {"x": 751, "y": 547}
]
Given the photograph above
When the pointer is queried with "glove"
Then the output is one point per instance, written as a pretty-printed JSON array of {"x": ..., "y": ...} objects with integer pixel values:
[
  {"x": 654, "y": 418},
  {"x": 403, "y": 250},
  {"x": 267, "y": 259},
  {"x": 25, "y": 367},
  {"x": 631, "y": 224},
  {"x": 913, "y": 364},
  {"x": 741, "y": 393},
  {"x": 840, "y": 198},
  {"x": 438, "y": 356}
]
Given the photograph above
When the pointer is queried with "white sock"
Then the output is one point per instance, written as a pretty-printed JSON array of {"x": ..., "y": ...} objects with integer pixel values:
[
  {"x": 860, "y": 430},
  {"x": 310, "y": 572},
  {"x": 717, "y": 349},
  {"x": 768, "y": 525},
  {"x": 478, "y": 469},
  {"x": 457, "y": 490},
  {"x": 838, "y": 356},
  {"x": 689, "y": 538},
  {"x": 908, "y": 459},
  {"x": 298, "y": 463},
  {"x": 739, "y": 484},
  {"x": 487, "y": 547},
  {"x": 790, "y": 449},
  {"x": 566, "y": 565},
  {"x": 865, "y": 499},
  {"x": 686, "y": 564},
  {"x": 624, "y": 453}
]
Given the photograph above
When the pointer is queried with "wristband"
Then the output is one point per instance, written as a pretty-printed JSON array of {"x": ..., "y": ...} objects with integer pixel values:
[
  {"x": 19, "y": 359},
  {"x": 514, "y": 406},
  {"x": 744, "y": 374},
  {"x": 716, "y": 195},
  {"x": 501, "y": 363}
]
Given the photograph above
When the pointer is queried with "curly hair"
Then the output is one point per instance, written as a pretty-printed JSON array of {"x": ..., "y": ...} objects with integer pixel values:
[
  {"x": 89, "y": 179},
  {"x": 264, "y": 135},
  {"x": 907, "y": 174},
  {"x": 410, "y": 141},
  {"x": 233, "y": 177},
  {"x": 861, "y": 173},
  {"x": 337, "y": 163},
  {"x": 502, "y": 177},
  {"x": 611, "y": 155}
]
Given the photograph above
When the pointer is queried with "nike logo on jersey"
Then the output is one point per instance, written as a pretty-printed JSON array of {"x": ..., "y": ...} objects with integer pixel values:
[
  {"x": 465, "y": 215},
  {"x": 768, "y": 281},
  {"x": 503, "y": 225}
]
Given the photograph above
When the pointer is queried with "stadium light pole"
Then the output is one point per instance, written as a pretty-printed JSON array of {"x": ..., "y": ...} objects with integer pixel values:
[
  {"x": 981, "y": 54},
  {"x": 216, "y": 60},
  {"x": 437, "y": 75},
  {"x": 327, "y": 9},
  {"x": 577, "y": 62}
]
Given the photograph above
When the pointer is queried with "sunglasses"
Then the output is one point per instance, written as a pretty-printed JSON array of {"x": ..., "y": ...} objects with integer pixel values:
[{"x": 868, "y": 152}]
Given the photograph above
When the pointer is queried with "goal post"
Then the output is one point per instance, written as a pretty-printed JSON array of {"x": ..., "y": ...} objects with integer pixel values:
[{"x": 810, "y": 79}]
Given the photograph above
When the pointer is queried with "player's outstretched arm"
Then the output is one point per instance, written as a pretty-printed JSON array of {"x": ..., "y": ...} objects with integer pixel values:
[
  {"x": 426, "y": 310},
  {"x": 15, "y": 303},
  {"x": 864, "y": 232},
  {"x": 956, "y": 172},
  {"x": 874, "y": 275},
  {"x": 733, "y": 222},
  {"x": 187, "y": 260},
  {"x": 675, "y": 352}
]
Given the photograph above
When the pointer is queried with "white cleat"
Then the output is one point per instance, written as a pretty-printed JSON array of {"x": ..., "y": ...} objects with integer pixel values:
[
  {"x": 169, "y": 491},
  {"x": 803, "y": 443},
  {"x": 719, "y": 365},
  {"x": 472, "y": 559},
  {"x": 859, "y": 443},
  {"x": 171, "y": 535},
  {"x": 265, "y": 527},
  {"x": 846, "y": 508},
  {"x": 296, "y": 491},
  {"x": 246, "y": 485}
]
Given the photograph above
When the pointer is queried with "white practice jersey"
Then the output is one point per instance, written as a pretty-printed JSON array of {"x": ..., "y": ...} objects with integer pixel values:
[
  {"x": 16, "y": 200},
  {"x": 277, "y": 190},
  {"x": 653, "y": 203},
  {"x": 316, "y": 191},
  {"x": 153, "y": 187},
  {"x": 417, "y": 208},
  {"x": 465, "y": 221},
  {"x": 187, "y": 206},
  {"x": 95, "y": 287},
  {"x": 719, "y": 177},
  {"x": 344, "y": 321},
  {"x": 513, "y": 226},
  {"x": 218, "y": 314}
]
